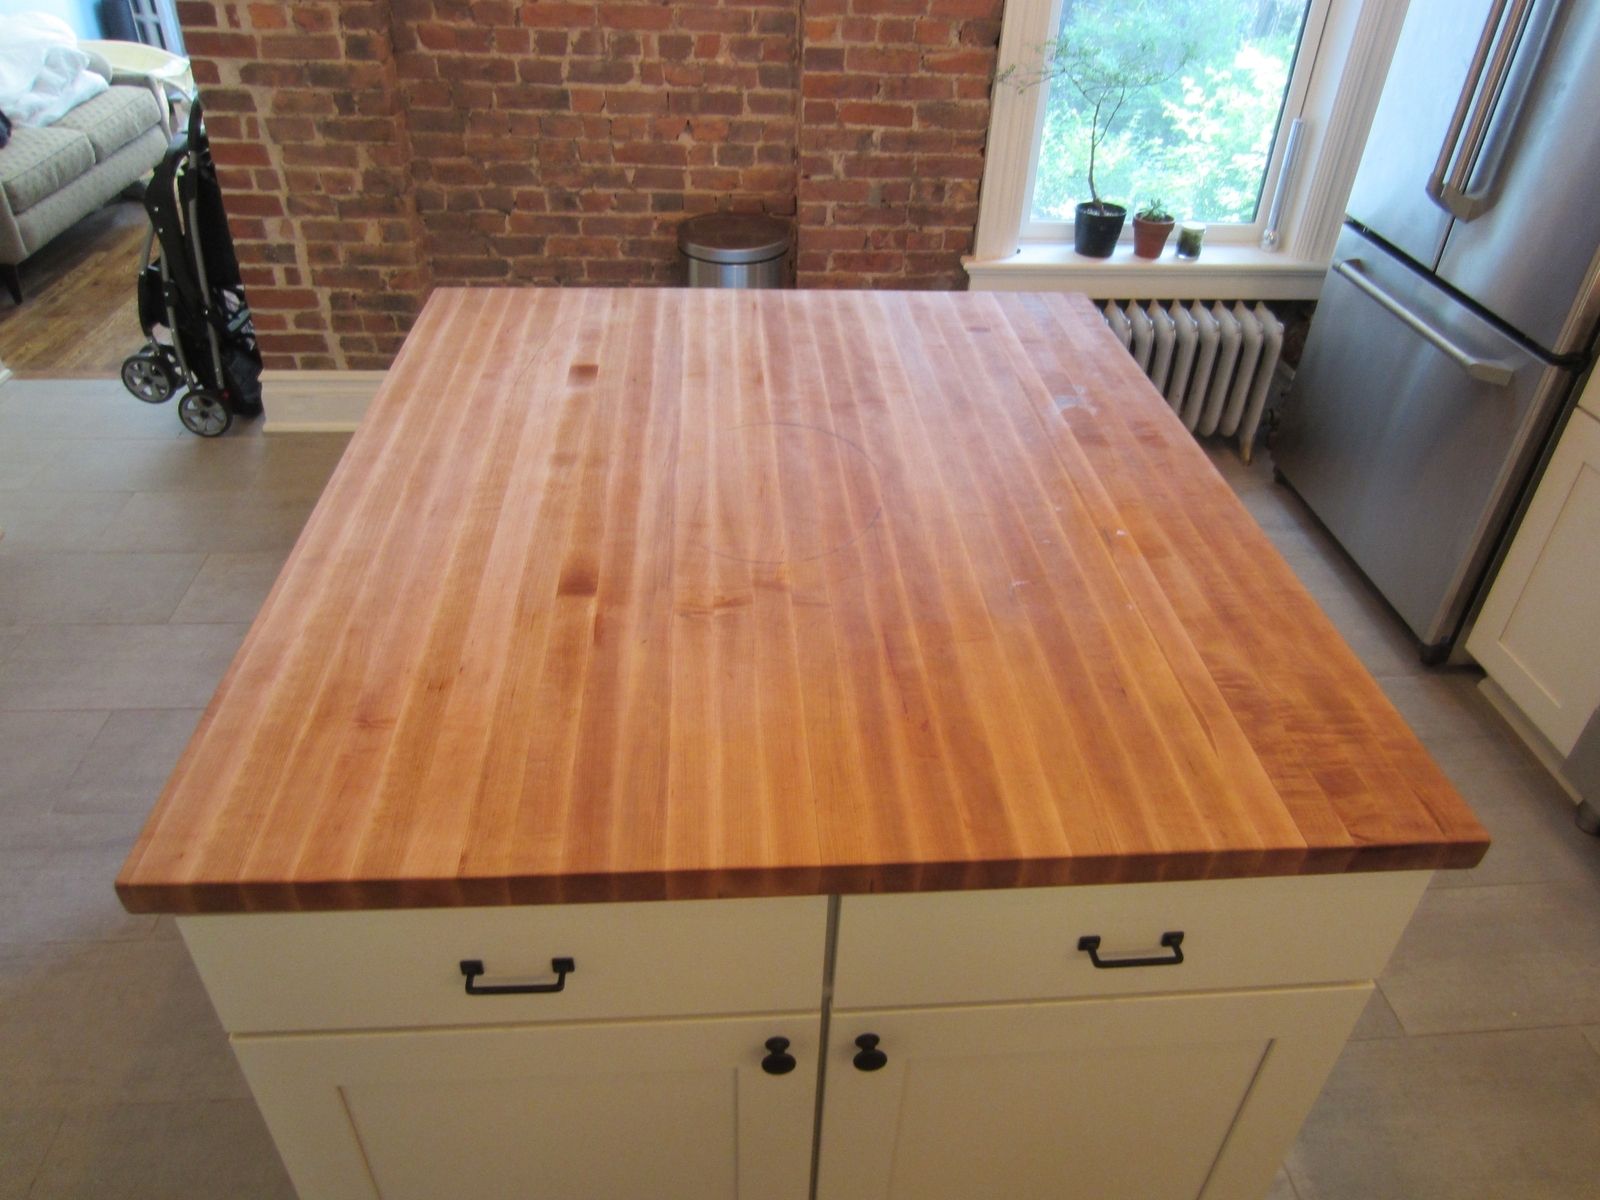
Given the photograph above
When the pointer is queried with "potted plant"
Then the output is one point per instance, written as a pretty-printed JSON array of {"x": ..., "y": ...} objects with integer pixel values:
[
  {"x": 1152, "y": 226},
  {"x": 1107, "y": 55}
]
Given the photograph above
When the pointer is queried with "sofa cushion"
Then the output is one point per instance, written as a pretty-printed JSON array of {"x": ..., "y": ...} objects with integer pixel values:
[
  {"x": 39, "y": 162},
  {"x": 113, "y": 118}
]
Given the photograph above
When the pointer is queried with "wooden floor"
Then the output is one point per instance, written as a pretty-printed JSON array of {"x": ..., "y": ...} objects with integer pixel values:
[{"x": 79, "y": 315}]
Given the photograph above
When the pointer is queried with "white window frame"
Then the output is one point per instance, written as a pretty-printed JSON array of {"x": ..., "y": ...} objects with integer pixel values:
[
  {"x": 1241, "y": 232},
  {"x": 1339, "y": 77}
]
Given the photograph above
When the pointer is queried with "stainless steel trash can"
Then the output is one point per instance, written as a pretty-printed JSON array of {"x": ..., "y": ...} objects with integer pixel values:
[{"x": 735, "y": 250}]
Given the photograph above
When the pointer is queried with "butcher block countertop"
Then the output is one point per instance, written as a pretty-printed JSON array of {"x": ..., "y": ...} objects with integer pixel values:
[{"x": 670, "y": 594}]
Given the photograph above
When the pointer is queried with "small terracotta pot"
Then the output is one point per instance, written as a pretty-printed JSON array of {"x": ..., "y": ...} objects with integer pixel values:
[{"x": 1150, "y": 237}]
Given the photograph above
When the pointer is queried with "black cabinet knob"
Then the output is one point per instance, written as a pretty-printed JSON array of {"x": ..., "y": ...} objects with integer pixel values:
[
  {"x": 870, "y": 1058},
  {"x": 778, "y": 1060}
]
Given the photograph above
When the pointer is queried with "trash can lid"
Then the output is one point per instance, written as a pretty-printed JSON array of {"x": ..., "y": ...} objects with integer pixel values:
[{"x": 733, "y": 237}]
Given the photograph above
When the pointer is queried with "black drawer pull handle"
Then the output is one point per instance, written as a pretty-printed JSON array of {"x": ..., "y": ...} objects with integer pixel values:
[
  {"x": 473, "y": 967},
  {"x": 778, "y": 1060},
  {"x": 1090, "y": 943},
  {"x": 870, "y": 1058}
]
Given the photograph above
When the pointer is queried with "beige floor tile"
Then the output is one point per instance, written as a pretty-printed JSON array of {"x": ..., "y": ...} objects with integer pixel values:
[
  {"x": 210, "y": 522},
  {"x": 188, "y": 464},
  {"x": 1464, "y": 754},
  {"x": 299, "y": 464},
  {"x": 1377, "y": 1019},
  {"x": 1282, "y": 1187},
  {"x": 85, "y": 1022},
  {"x": 180, "y": 1151},
  {"x": 50, "y": 832},
  {"x": 78, "y": 588},
  {"x": 1445, "y": 706},
  {"x": 128, "y": 762},
  {"x": 22, "y": 459},
  {"x": 81, "y": 409},
  {"x": 1276, "y": 509},
  {"x": 39, "y": 752},
  {"x": 1504, "y": 957},
  {"x": 1592, "y": 1032},
  {"x": 117, "y": 666},
  {"x": 25, "y": 1137},
  {"x": 230, "y": 587},
  {"x": 1529, "y": 818},
  {"x": 65, "y": 896},
  {"x": 1492, "y": 1116},
  {"x": 35, "y": 520}
]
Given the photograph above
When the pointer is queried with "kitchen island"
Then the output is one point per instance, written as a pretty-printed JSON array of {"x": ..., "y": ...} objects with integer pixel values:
[{"x": 868, "y": 740}]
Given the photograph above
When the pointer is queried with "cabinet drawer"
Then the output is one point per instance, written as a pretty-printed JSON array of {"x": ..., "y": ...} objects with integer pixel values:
[
  {"x": 370, "y": 970},
  {"x": 1022, "y": 944}
]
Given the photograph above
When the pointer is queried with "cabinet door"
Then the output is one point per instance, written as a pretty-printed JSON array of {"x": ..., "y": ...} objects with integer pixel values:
[
  {"x": 1155, "y": 1097},
  {"x": 672, "y": 1110},
  {"x": 1536, "y": 633}
]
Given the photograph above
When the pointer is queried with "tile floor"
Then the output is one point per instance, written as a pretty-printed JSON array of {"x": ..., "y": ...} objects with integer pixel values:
[{"x": 134, "y": 556}]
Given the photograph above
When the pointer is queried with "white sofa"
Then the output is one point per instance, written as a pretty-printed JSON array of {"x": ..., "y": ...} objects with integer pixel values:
[{"x": 53, "y": 177}]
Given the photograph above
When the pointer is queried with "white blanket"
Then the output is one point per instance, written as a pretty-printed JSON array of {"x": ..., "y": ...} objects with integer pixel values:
[{"x": 43, "y": 74}]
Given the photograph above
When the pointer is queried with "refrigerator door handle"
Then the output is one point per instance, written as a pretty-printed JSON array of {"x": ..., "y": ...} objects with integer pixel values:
[
  {"x": 1452, "y": 195},
  {"x": 1486, "y": 370}
]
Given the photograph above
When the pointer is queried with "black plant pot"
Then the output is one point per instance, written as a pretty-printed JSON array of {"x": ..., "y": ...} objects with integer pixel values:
[{"x": 1095, "y": 231}]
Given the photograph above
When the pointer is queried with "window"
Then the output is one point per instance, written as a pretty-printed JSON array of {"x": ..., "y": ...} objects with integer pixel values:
[
  {"x": 1189, "y": 96},
  {"x": 1227, "y": 80}
]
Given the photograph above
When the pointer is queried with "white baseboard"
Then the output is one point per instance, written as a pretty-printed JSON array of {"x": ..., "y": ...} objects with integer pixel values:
[{"x": 317, "y": 401}]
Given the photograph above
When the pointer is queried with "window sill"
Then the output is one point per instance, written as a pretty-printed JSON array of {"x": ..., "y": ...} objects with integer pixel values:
[{"x": 1222, "y": 272}]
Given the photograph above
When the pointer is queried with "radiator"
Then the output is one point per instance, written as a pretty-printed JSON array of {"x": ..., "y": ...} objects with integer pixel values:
[{"x": 1214, "y": 365}]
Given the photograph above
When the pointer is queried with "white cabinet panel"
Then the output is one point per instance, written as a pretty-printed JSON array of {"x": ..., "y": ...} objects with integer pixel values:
[
  {"x": 271, "y": 972},
  {"x": 1157, "y": 1097},
  {"x": 671, "y": 1110},
  {"x": 1536, "y": 635},
  {"x": 974, "y": 947}
]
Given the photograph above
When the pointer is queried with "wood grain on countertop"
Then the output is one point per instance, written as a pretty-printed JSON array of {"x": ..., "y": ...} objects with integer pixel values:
[{"x": 625, "y": 594}]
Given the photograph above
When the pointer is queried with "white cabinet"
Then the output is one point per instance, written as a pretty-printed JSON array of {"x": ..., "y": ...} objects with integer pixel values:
[
  {"x": 1155, "y": 1097},
  {"x": 1009, "y": 1062},
  {"x": 1018, "y": 1066},
  {"x": 675, "y": 1110},
  {"x": 644, "y": 1075},
  {"x": 1535, "y": 635}
]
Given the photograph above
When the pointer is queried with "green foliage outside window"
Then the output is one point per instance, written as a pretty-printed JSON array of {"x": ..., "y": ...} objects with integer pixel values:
[{"x": 1199, "y": 135}]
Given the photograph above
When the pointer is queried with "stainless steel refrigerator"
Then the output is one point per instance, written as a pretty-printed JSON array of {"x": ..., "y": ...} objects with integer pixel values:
[{"x": 1462, "y": 302}]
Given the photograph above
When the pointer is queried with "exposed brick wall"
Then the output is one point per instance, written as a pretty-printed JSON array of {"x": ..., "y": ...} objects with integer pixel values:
[
  {"x": 373, "y": 149},
  {"x": 558, "y": 142},
  {"x": 311, "y": 145},
  {"x": 896, "y": 109}
]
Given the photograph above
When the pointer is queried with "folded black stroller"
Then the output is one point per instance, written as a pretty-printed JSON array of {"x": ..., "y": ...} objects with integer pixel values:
[{"x": 191, "y": 302}]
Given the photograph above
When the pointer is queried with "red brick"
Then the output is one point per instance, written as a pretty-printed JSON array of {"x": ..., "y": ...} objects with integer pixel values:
[
  {"x": 196, "y": 14},
  {"x": 555, "y": 14},
  {"x": 203, "y": 43},
  {"x": 301, "y": 47},
  {"x": 877, "y": 60},
  {"x": 635, "y": 16},
  {"x": 960, "y": 62},
  {"x": 877, "y": 115}
]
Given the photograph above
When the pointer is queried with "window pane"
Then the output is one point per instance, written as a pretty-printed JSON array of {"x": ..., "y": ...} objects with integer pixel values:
[{"x": 1190, "y": 94}]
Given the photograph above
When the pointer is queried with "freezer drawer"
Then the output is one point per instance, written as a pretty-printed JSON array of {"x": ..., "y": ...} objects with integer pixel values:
[{"x": 1410, "y": 430}]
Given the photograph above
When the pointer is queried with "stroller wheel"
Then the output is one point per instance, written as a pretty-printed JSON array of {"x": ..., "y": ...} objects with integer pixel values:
[
  {"x": 146, "y": 377},
  {"x": 204, "y": 413}
]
